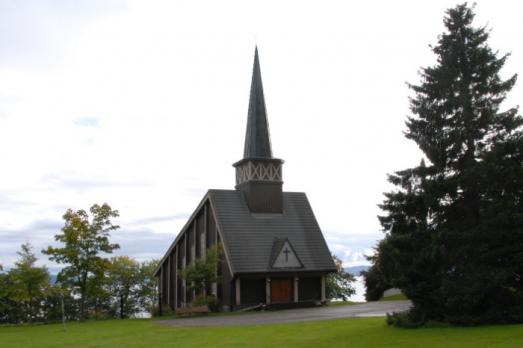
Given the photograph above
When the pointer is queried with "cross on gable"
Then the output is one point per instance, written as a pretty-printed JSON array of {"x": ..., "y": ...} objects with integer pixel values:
[{"x": 286, "y": 251}]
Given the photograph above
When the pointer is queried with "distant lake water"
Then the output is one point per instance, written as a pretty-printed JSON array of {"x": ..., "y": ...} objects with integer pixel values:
[{"x": 359, "y": 285}]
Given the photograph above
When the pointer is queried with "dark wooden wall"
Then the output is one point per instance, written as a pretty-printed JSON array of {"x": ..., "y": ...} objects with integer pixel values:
[
  {"x": 225, "y": 283},
  {"x": 252, "y": 291},
  {"x": 263, "y": 197},
  {"x": 172, "y": 279},
  {"x": 309, "y": 288}
]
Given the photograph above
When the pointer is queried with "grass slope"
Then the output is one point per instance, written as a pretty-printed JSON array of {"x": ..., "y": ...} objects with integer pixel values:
[
  {"x": 397, "y": 297},
  {"x": 362, "y": 332},
  {"x": 342, "y": 303}
]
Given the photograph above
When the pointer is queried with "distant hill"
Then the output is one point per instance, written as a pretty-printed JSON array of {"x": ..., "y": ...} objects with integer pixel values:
[{"x": 356, "y": 270}]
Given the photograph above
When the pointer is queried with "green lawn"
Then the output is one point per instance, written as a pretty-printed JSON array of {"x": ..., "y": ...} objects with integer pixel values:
[
  {"x": 342, "y": 303},
  {"x": 397, "y": 297},
  {"x": 364, "y": 332}
]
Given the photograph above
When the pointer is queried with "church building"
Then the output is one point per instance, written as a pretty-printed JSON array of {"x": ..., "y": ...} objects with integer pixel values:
[{"x": 273, "y": 249}]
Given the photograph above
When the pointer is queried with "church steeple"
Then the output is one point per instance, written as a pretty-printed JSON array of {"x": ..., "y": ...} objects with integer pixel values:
[
  {"x": 257, "y": 138},
  {"x": 258, "y": 174}
]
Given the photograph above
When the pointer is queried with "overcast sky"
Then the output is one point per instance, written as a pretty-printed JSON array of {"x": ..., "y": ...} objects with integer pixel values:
[{"x": 143, "y": 105}]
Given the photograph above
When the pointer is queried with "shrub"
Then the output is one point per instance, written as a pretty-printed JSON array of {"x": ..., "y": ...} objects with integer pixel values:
[
  {"x": 210, "y": 301},
  {"x": 408, "y": 319},
  {"x": 213, "y": 303}
]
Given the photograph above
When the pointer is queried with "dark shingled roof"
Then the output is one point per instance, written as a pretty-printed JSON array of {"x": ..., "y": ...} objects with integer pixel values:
[
  {"x": 257, "y": 139},
  {"x": 249, "y": 238}
]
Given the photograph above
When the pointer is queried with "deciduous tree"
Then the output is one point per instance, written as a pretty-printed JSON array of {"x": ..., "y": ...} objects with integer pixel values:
[
  {"x": 147, "y": 293},
  {"x": 5, "y": 301},
  {"x": 339, "y": 285},
  {"x": 123, "y": 284},
  {"x": 203, "y": 271},
  {"x": 85, "y": 239}
]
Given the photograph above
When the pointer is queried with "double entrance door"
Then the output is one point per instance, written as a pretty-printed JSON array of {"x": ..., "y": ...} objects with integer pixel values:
[{"x": 282, "y": 290}]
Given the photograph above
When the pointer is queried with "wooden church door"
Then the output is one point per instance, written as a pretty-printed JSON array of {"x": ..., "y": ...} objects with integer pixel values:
[{"x": 281, "y": 290}]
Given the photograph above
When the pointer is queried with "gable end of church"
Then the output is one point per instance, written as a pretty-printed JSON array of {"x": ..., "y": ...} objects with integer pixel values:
[{"x": 273, "y": 249}]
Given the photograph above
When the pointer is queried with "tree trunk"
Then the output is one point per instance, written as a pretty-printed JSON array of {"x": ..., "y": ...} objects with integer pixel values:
[
  {"x": 83, "y": 295},
  {"x": 121, "y": 307},
  {"x": 30, "y": 295}
]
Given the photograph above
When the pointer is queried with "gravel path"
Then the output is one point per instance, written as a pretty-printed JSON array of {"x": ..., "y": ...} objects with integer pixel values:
[{"x": 371, "y": 309}]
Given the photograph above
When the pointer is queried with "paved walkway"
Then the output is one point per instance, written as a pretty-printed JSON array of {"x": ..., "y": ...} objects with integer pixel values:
[{"x": 371, "y": 309}]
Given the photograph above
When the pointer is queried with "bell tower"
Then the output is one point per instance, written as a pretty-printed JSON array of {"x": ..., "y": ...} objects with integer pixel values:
[{"x": 258, "y": 174}]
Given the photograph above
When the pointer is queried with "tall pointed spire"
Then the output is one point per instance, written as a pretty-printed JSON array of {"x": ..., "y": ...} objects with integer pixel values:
[
  {"x": 257, "y": 138},
  {"x": 258, "y": 174}
]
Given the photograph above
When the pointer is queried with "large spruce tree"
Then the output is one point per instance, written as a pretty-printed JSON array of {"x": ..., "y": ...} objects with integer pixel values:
[{"x": 454, "y": 225}]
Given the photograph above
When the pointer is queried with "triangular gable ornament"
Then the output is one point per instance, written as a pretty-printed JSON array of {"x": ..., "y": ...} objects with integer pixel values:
[{"x": 284, "y": 255}]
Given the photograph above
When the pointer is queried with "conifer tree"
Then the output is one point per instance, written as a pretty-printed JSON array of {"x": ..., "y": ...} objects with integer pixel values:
[
  {"x": 28, "y": 283},
  {"x": 454, "y": 225}
]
